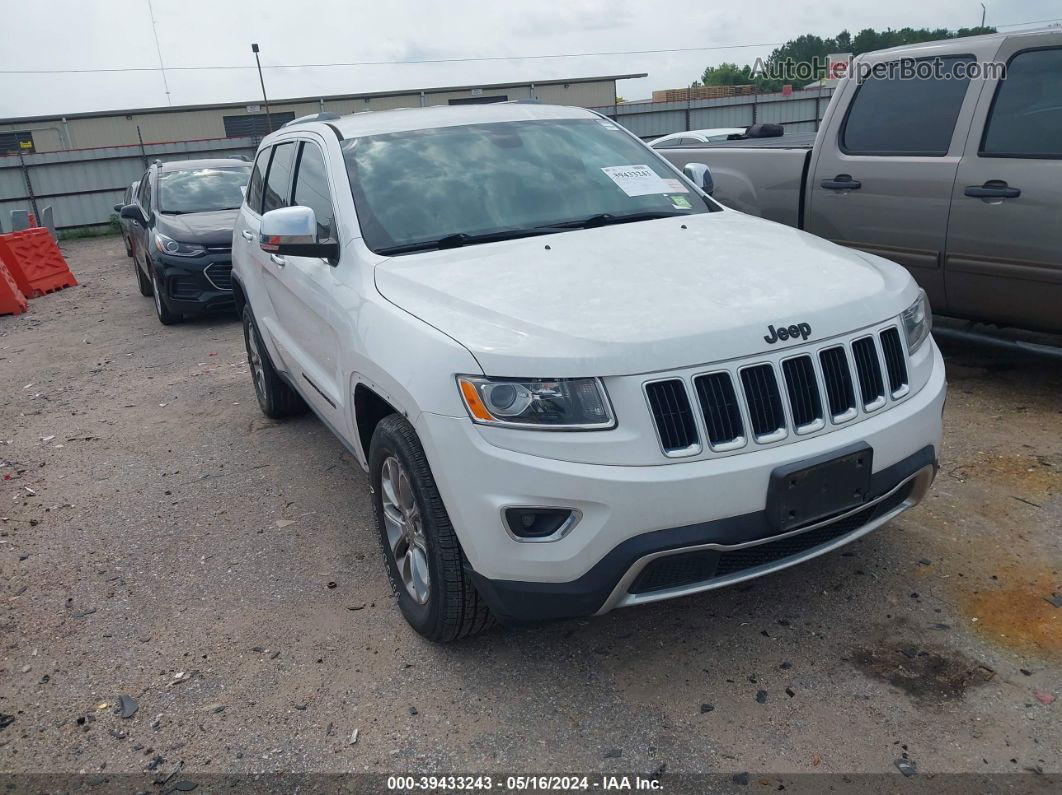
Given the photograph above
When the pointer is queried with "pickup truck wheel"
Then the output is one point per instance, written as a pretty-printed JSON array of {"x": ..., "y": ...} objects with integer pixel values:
[
  {"x": 424, "y": 559},
  {"x": 165, "y": 315},
  {"x": 143, "y": 282},
  {"x": 276, "y": 399}
]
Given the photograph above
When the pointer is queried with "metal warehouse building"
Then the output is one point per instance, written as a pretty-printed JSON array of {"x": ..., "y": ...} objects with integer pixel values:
[{"x": 249, "y": 119}]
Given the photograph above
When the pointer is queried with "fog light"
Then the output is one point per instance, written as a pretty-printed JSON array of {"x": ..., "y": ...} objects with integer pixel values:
[{"x": 540, "y": 524}]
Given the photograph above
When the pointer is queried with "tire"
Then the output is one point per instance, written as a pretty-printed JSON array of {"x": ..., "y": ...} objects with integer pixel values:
[
  {"x": 143, "y": 282},
  {"x": 276, "y": 399},
  {"x": 162, "y": 311},
  {"x": 450, "y": 607}
]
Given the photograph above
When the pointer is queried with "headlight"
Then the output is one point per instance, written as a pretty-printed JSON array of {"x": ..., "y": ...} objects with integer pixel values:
[
  {"x": 167, "y": 245},
  {"x": 917, "y": 322},
  {"x": 542, "y": 403}
]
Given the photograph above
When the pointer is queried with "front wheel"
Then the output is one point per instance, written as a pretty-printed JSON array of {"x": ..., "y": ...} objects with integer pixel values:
[
  {"x": 424, "y": 559},
  {"x": 142, "y": 281},
  {"x": 166, "y": 317}
]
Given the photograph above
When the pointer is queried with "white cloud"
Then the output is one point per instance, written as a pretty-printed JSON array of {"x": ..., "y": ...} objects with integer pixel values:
[{"x": 117, "y": 33}]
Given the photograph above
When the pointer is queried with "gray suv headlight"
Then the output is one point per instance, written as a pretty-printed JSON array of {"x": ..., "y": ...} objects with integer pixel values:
[
  {"x": 537, "y": 403},
  {"x": 917, "y": 322}
]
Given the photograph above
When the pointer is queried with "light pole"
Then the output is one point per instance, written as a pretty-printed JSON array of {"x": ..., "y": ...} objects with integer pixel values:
[
  {"x": 983, "y": 15},
  {"x": 261, "y": 80}
]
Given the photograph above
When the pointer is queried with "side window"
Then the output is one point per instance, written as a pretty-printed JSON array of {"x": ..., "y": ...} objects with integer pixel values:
[
  {"x": 311, "y": 190},
  {"x": 279, "y": 179},
  {"x": 145, "y": 193},
  {"x": 1026, "y": 115},
  {"x": 256, "y": 185},
  {"x": 896, "y": 114}
]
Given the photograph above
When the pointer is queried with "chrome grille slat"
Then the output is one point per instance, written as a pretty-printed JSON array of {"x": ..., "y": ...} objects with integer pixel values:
[
  {"x": 765, "y": 401},
  {"x": 803, "y": 390},
  {"x": 838, "y": 378},
  {"x": 720, "y": 408},
  {"x": 895, "y": 365},
  {"x": 673, "y": 414},
  {"x": 868, "y": 371}
]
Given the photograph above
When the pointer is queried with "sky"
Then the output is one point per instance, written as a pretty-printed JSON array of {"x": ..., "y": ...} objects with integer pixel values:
[{"x": 117, "y": 34}]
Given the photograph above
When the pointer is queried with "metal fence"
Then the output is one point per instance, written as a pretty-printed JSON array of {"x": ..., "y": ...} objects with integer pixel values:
[
  {"x": 800, "y": 111},
  {"x": 83, "y": 185}
]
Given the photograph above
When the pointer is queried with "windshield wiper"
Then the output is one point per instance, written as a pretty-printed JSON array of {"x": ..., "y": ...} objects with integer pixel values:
[
  {"x": 464, "y": 239},
  {"x": 603, "y": 219}
]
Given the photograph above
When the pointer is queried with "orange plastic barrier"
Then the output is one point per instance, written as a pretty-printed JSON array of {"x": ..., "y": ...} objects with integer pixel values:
[
  {"x": 35, "y": 262},
  {"x": 12, "y": 301}
]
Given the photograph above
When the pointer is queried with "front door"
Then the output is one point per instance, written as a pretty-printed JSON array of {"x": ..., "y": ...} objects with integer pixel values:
[
  {"x": 884, "y": 183},
  {"x": 1004, "y": 250}
]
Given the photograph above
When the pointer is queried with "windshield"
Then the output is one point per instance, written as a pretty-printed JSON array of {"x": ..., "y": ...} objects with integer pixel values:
[
  {"x": 201, "y": 190},
  {"x": 477, "y": 182}
]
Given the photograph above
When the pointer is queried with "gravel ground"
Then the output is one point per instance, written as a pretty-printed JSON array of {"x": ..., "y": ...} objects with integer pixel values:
[{"x": 161, "y": 540}]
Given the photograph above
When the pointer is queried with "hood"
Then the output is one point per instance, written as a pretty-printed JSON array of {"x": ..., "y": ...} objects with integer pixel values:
[
  {"x": 642, "y": 297},
  {"x": 206, "y": 229}
]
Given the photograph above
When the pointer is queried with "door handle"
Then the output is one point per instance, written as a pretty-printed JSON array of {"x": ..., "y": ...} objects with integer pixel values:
[
  {"x": 277, "y": 260},
  {"x": 247, "y": 235},
  {"x": 842, "y": 182},
  {"x": 993, "y": 189}
]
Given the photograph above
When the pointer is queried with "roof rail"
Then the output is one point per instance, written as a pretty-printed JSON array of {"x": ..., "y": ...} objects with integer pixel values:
[{"x": 323, "y": 116}]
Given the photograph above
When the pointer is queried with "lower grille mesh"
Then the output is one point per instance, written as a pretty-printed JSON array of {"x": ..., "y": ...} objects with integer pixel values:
[{"x": 687, "y": 568}]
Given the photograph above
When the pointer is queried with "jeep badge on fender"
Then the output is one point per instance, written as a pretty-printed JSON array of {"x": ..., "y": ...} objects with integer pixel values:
[{"x": 802, "y": 330}]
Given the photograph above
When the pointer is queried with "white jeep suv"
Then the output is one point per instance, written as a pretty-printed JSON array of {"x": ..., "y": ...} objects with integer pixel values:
[{"x": 576, "y": 381}]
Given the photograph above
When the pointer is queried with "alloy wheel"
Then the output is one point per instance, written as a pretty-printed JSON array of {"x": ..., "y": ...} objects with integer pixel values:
[{"x": 405, "y": 529}]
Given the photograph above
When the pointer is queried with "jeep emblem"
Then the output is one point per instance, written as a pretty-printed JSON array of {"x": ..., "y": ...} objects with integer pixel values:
[{"x": 802, "y": 330}]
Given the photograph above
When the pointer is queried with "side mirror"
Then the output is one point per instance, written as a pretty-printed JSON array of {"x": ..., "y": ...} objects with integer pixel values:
[
  {"x": 293, "y": 230},
  {"x": 118, "y": 207},
  {"x": 700, "y": 175},
  {"x": 132, "y": 212}
]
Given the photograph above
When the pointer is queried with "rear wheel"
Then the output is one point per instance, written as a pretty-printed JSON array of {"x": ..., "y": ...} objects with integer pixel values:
[
  {"x": 166, "y": 317},
  {"x": 143, "y": 282},
  {"x": 424, "y": 559},
  {"x": 275, "y": 397}
]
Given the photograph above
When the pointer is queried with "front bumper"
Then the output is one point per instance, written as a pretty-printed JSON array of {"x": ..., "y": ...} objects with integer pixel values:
[
  {"x": 632, "y": 515},
  {"x": 194, "y": 285}
]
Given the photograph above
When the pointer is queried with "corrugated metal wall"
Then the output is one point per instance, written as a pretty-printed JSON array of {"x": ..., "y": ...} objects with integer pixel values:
[
  {"x": 189, "y": 125},
  {"x": 83, "y": 185}
]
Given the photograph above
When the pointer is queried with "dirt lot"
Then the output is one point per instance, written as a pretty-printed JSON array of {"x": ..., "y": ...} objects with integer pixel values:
[{"x": 160, "y": 539}]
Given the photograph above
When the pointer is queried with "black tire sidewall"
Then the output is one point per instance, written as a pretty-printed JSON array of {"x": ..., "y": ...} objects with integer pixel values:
[
  {"x": 424, "y": 618},
  {"x": 249, "y": 328}
]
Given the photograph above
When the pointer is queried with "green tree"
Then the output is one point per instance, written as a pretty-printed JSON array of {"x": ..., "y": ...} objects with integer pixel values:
[{"x": 812, "y": 49}]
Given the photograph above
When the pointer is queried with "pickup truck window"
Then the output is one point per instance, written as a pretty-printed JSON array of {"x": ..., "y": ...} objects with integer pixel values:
[
  {"x": 1026, "y": 116},
  {"x": 914, "y": 117},
  {"x": 480, "y": 182}
]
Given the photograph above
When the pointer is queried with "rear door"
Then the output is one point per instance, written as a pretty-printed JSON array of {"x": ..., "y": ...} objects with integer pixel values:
[
  {"x": 245, "y": 250},
  {"x": 881, "y": 178},
  {"x": 1004, "y": 250}
]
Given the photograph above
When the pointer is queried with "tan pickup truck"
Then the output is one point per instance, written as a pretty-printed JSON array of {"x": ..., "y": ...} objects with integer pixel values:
[{"x": 956, "y": 177}]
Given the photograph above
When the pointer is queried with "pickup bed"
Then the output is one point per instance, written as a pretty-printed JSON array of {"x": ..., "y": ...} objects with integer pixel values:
[{"x": 955, "y": 178}]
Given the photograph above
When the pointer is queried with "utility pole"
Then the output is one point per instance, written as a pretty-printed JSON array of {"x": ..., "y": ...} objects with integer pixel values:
[
  {"x": 982, "y": 15},
  {"x": 158, "y": 49},
  {"x": 261, "y": 80}
]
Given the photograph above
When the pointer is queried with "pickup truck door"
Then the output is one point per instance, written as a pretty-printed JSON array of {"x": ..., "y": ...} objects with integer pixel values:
[
  {"x": 881, "y": 175},
  {"x": 303, "y": 290},
  {"x": 1004, "y": 249}
]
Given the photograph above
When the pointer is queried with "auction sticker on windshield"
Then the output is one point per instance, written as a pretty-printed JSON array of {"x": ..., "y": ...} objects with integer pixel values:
[{"x": 636, "y": 180}]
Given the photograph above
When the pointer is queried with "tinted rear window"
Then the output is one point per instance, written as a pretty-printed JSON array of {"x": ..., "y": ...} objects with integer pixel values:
[
  {"x": 891, "y": 115},
  {"x": 1026, "y": 118}
]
